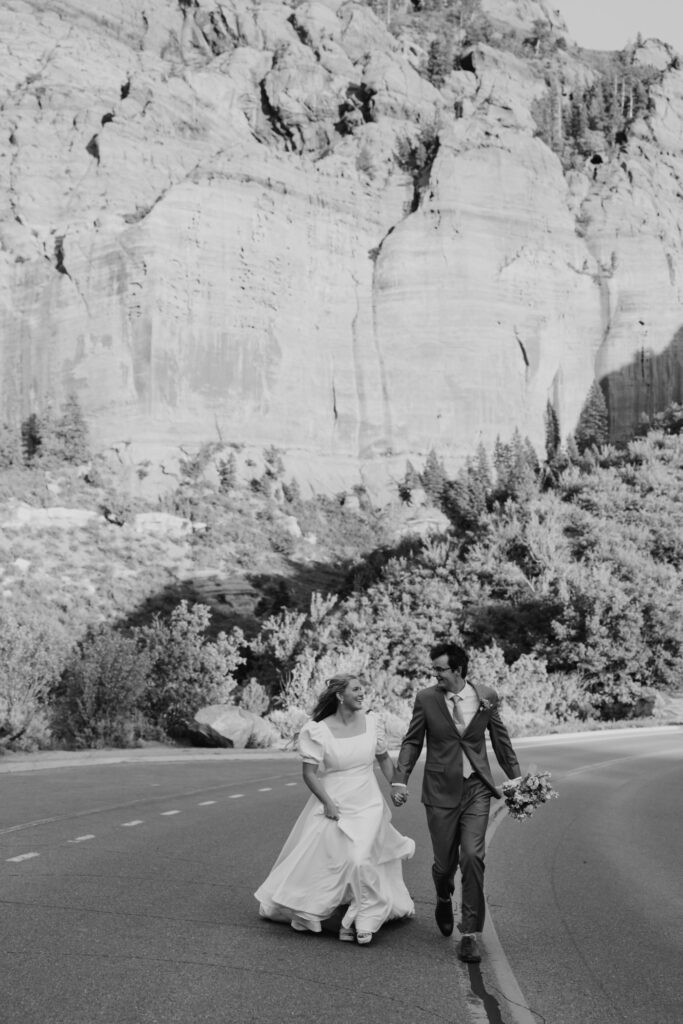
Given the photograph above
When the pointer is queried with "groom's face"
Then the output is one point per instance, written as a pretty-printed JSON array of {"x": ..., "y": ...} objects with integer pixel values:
[{"x": 448, "y": 679}]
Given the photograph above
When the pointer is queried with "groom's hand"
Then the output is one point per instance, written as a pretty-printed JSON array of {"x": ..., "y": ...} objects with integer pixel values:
[{"x": 399, "y": 794}]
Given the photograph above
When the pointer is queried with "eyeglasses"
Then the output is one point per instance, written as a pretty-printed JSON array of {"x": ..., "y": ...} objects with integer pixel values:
[{"x": 438, "y": 671}]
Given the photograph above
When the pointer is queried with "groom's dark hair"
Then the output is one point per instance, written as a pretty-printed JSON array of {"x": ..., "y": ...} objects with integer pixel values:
[{"x": 457, "y": 657}]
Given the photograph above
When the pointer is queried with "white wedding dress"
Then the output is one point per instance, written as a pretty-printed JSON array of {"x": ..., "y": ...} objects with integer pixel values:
[{"x": 356, "y": 860}]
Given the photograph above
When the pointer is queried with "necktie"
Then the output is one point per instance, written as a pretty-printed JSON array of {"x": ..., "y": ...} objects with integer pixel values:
[
  {"x": 456, "y": 711},
  {"x": 460, "y": 726}
]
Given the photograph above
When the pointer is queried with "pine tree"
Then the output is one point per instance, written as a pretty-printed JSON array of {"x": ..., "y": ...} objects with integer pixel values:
[
  {"x": 72, "y": 442},
  {"x": 573, "y": 454},
  {"x": 439, "y": 60},
  {"x": 227, "y": 473},
  {"x": 552, "y": 433},
  {"x": 482, "y": 471},
  {"x": 464, "y": 501},
  {"x": 31, "y": 437},
  {"x": 10, "y": 447},
  {"x": 433, "y": 478},
  {"x": 411, "y": 481},
  {"x": 502, "y": 463},
  {"x": 523, "y": 468},
  {"x": 592, "y": 430},
  {"x": 578, "y": 127}
]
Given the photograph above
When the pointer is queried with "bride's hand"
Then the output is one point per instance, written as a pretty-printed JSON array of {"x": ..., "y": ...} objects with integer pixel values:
[{"x": 331, "y": 810}]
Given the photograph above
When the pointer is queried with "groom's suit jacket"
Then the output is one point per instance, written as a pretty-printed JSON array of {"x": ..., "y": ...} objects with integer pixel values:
[{"x": 432, "y": 720}]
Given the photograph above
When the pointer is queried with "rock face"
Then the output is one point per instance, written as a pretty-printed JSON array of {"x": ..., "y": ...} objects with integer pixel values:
[{"x": 214, "y": 225}]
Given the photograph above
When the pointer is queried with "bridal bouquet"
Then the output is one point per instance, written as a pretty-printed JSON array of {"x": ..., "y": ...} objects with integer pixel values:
[{"x": 523, "y": 796}]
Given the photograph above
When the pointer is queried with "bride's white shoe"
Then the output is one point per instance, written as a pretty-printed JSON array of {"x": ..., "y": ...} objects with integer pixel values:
[
  {"x": 346, "y": 934},
  {"x": 363, "y": 938}
]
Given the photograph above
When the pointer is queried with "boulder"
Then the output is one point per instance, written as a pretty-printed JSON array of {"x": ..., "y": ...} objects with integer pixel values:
[
  {"x": 231, "y": 726},
  {"x": 421, "y": 522},
  {"x": 23, "y": 515}
]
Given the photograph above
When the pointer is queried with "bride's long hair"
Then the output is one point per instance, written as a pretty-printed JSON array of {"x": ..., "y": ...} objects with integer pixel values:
[{"x": 329, "y": 698}]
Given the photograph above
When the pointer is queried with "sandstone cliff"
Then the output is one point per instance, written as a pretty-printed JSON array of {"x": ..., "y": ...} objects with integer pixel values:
[{"x": 259, "y": 222}]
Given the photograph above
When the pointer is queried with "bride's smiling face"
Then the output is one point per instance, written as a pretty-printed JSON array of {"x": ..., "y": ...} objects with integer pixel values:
[{"x": 354, "y": 695}]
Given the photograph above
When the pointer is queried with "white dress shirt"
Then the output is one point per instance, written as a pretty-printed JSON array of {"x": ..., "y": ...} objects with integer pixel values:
[{"x": 467, "y": 703}]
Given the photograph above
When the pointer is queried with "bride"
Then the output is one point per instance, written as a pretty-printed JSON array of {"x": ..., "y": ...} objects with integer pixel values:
[{"x": 343, "y": 848}]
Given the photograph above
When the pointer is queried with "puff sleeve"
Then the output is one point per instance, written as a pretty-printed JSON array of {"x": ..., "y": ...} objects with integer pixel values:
[
  {"x": 311, "y": 748},
  {"x": 381, "y": 736}
]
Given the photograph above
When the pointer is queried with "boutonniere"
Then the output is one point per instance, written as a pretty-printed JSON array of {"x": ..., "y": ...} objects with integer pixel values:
[{"x": 485, "y": 705}]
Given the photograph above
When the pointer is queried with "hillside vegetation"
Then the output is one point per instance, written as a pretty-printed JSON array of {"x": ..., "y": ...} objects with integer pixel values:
[{"x": 564, "y": 579}]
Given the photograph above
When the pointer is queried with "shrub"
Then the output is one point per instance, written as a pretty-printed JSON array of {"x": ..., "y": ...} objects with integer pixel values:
[
  {"x": 397, "y": 619},
  {"x": 10, "y": 447},
  {"x": 191, "y": 469},
  {"x": 254, "y": 697},
  {"x": 57, "y": 439},
  {"x": 531, "y": 698},
  {"x": 117, "y": 507},
  {"x": 187, "y": 669},
  {"x": 99, "y": 697},
  {"x": 569, "y": 699},
  {"x": 295, "y": 653},
  {"x": 33, "y": 650},
  {"x": 439, "y": 60},
  {"x": 288, "y": 722}
]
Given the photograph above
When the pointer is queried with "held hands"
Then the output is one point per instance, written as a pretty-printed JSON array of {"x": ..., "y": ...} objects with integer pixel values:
[{"x": 399, "y": 796}]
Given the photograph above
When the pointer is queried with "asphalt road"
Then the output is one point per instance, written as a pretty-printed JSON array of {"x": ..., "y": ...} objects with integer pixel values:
[
  {"x": 126, "y": 898},
  {"x": 587, "y": 897}
]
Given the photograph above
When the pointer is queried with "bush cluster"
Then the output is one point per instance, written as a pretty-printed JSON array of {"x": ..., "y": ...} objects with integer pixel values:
[
  {"x": 565, "y": 585},
  {"x": 47, "y": 438},
  {"x": 563, "y": 577},
  {"x": 114, "y": 687}
]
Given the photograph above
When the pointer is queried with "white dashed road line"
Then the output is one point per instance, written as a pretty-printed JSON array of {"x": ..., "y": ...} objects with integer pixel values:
[{"x": 123, "y": 824}]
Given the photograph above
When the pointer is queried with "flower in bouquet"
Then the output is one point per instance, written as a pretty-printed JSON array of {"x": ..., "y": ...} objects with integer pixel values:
[
  {"x": 523, "y": 796},
  {"x": 485, "y": 705}
]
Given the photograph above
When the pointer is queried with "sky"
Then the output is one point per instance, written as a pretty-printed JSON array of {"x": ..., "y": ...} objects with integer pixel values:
[{"x": 609, "y": 24}]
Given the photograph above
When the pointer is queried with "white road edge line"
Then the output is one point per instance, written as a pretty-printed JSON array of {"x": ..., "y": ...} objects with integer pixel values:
[
  {"x": 22, "y": 856},
  {"x": 509, "y": 989}
]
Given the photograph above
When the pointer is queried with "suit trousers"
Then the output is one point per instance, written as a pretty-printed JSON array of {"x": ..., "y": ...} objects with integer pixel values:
[{"x": 458, "y": 837}]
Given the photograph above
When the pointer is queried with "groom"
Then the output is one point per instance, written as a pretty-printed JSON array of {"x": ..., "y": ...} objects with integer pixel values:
[{"x": 453, "y": 717}]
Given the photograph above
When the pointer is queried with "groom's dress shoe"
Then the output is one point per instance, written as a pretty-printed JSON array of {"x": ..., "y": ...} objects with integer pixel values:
[
  {"x": 468, "y": 950},
  {"x": 444, "y": 916}
]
